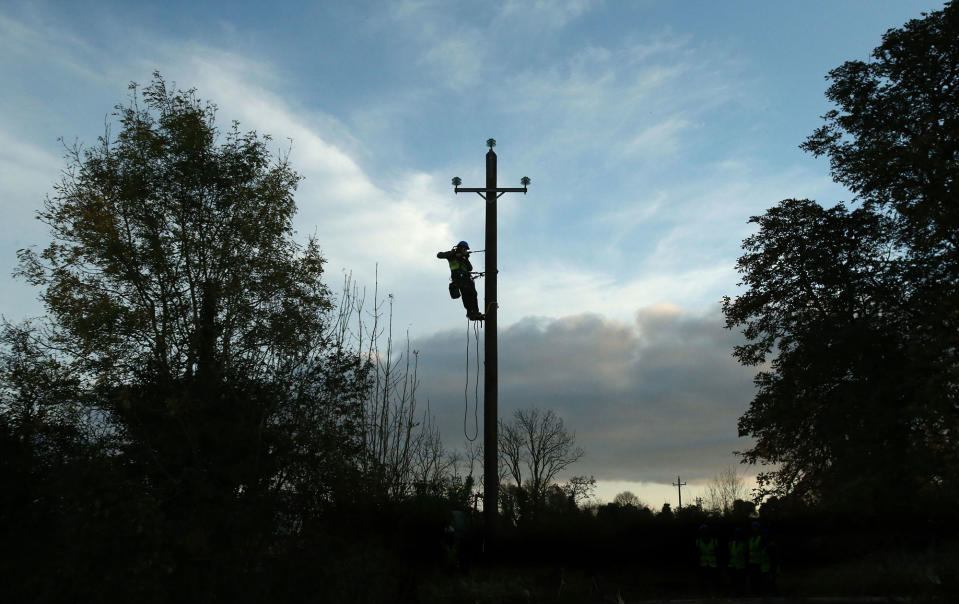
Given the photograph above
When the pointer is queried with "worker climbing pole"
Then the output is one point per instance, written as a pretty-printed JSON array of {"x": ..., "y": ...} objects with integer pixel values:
[
  {"x": 461, "y": 278},
  {"x": 490, "y": 193}
]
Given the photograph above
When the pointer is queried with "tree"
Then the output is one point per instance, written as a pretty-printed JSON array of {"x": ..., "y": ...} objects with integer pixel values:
[
  {"x": 832, "y": 402},
  {"x": 742, "y": 510},
  {"x": 627, "y": 499},
  {"x": 192, "y": 327},
  {"x": 403, "y": 452},
  {"x": 894, "y": 141},
  {"x": 172, "y": 256},
  {"x": 580, "y": 489},
  {"x": 724, "y": 490},
  {"x": 851, "y": 314},
  {"x": 534, "y": 448},
  {"x": 36, "y": 392}
]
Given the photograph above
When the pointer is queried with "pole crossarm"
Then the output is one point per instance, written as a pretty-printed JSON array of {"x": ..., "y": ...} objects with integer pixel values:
[{"x": 484, "y": 190}]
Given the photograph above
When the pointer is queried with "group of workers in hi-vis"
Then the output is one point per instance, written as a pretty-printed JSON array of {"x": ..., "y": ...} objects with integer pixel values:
[{"x": 745, "y": 562}]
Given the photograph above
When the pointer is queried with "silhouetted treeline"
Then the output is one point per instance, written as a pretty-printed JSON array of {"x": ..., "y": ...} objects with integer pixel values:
[
  {"x": 611, "y": 534},
  {"x": 85, "y": 527}
]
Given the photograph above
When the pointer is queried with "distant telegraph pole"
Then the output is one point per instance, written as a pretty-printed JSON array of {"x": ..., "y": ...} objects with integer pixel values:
[
  {"x": 679, "y": 485},
  {"x": 490, "y": 374}
]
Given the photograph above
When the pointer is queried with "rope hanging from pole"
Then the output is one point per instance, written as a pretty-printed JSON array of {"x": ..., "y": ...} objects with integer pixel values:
[
  {"x": 476, "y": 380},
  {"x": 466, "y": 388}
]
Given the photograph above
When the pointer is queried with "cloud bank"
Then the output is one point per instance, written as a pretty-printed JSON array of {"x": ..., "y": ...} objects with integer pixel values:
[{"x": 650, "y": 399}]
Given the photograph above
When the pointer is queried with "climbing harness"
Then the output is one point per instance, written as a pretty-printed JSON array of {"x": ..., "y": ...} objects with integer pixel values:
[
  {"x": 475, "y": 384},
  {"x": 455, "y": 290}
]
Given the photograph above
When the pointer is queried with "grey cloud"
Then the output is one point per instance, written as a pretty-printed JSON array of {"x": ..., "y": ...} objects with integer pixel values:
[{"x": 648, "y": 400}]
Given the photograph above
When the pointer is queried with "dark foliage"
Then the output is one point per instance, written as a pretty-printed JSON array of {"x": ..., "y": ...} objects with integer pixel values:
[
  {"x": 852, "y": 314},
  {"x": 185, "y": 403}
]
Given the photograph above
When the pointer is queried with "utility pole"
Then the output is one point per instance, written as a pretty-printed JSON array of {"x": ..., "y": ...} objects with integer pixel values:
[
  {"x": 490, "y": 360},
  {"x": 679, "y": 485}
]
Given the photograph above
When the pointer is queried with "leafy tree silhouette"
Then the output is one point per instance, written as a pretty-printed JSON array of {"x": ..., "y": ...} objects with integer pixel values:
[
  {"x": 194, "y": 335},
  {"x": 850, "y": 312}
]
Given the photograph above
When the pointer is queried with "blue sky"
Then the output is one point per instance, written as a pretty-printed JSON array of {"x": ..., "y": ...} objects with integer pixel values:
[{"x": 652, "y": 130}]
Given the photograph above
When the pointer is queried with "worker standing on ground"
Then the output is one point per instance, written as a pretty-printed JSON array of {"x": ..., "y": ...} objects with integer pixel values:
[
  {"x": 738, "y": 561},
  {"x": 758, "y": 557},
  {"x": 707, "y": 547},
  {"x": 462, "y": 279}
]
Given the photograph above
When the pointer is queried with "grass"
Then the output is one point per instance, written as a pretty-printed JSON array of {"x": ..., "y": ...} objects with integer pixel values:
[{"x": 913, "y": 577}]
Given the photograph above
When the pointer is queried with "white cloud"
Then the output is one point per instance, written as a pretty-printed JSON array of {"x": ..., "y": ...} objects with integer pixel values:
[
  {"x": 360, "y": 222},
  {"x": 659, "y": 139},
  {"x": 24, "y": 168},
  {"x": 453, "y": 53},
  {"x": 550, "y": 14},
  {"x": 551, "y": 290},
  {"x": 27, "y": 173},
  {"x": 379, "y": 231},
  {"x": 457, "y": 60},
  {"x": 22, "y": 44},
  {"x": 613, "y": 103}
]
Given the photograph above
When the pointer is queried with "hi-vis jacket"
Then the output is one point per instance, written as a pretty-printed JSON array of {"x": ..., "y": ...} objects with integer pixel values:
[
  {"x": 707, "y": 551},
  {"x": 459, "y": 262}
]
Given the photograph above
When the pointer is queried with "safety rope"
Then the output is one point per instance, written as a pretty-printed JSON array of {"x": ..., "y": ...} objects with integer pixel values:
[
  {"x": 476, "y": 381},
  {"x": 466, "y": 388}
]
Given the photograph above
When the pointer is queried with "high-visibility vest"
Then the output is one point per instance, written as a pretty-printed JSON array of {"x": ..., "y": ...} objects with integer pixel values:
[
  {"x": 707, "y": 552},
  {"x": 737, "y": 554},
  {"x": 756, "y": 549},
  {"x": 459, "y": 263}
]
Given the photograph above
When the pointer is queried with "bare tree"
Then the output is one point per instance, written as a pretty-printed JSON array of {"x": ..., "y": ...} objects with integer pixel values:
[
  {"x": 403, "y": 447},
  {"x": 431, "y": 463},
  {"x": 580, "y": 489},
  {"x": 534, "y": 448},
  {"x": 474, "y": 457},
  {"x": 724, "y": 489}
]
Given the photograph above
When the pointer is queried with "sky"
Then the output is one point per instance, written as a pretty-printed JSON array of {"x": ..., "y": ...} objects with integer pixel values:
[{"x": 651, "y": 130}]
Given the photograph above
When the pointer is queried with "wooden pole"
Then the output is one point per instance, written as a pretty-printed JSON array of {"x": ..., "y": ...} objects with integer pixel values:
[
  {"x": 679, "y": 484},
  {"x": 491, "y": 370},
  {"x": 490, "y": 377}
]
